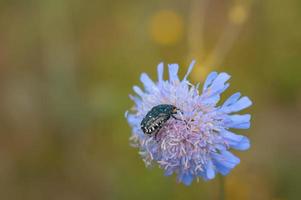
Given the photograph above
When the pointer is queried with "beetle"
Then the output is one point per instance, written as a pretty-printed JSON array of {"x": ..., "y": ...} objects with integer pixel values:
[{"x": 156, "y": 118}]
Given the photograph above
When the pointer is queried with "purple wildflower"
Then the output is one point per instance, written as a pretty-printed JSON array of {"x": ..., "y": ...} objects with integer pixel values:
[{"x": 198, "y": 144}]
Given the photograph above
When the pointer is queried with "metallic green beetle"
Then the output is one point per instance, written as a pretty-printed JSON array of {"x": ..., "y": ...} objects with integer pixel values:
[{"x": 156, "y": 117}]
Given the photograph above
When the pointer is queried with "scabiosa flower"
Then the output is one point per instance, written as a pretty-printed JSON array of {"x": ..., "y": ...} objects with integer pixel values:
[{"x": 198, "y": 143}]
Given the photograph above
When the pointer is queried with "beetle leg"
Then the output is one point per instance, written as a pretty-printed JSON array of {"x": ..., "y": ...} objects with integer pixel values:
[
  {"x": 175, "y": 117},
  {"x": 179, "y": 110}
]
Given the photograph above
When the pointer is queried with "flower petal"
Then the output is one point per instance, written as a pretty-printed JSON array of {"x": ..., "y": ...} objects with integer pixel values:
[
  {"x": 137, "y": 100},
  {"x": 138, "y": 90},
  {"x": 173, "y": 72},
  {"x": 210, "y": 173},
  {"x": 213, "y": 87},
  {"x": 219, "y": 83},
  {"x": 186, "y": 178},
  {"x": 241, "y": 104},
  {"x": 238, "y": 142},
  {"x": 239, "y": 121},
  {"x": 160, "y": 69},
  {"x": 147, "y": 82},
  {"x": 212, "y": 100},
  {"x": 126, "y": 114},
  {"x": 224, "y": 162},
  {"x": 168, "y": 172},
  {"x": 232, "y": 99},
  {"x": 132, "y": 119},
  {"x": 209, "y": 80},
  {"x": 189, "y": 69}
]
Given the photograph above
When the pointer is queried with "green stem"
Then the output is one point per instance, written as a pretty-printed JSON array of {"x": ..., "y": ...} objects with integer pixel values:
[{"x": 221, "y": 187}]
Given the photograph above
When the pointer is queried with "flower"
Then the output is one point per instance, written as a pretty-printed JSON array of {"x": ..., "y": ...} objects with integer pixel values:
[{"x": 198, "y": 144}]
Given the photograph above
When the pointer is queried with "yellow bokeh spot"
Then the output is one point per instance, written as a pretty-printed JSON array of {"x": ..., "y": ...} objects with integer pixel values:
[
  {"x": 238, "y": 14},
  {"x": 166, "y": 27}
]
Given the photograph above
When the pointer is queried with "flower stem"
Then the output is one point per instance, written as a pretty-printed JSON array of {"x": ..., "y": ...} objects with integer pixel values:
[{"x": 221, "y": 188}]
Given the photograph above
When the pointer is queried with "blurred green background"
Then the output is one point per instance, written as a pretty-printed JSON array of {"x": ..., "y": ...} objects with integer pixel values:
[{"x": 67, "y": 67}]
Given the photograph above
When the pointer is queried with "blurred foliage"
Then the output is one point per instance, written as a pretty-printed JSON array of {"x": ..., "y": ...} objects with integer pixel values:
[{"x": 67, "y": 67}]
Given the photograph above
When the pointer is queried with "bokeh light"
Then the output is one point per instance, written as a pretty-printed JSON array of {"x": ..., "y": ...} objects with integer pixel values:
[
  {"x": 166, "y": 27},
  {"x": 238, "y": 14}
]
